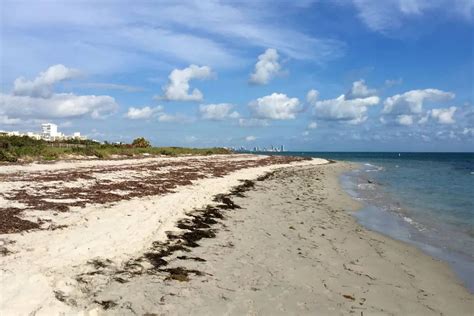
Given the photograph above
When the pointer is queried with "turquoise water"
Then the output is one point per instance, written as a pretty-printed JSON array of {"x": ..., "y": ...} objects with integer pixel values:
[{"x": 426, "y": 199}]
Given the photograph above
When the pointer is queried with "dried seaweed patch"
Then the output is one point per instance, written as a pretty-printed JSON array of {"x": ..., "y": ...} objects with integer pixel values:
[
  {"x": 180, "y": 274},
  {"x": 106, "y": 304},
  {"x": 157, "y": 180}
]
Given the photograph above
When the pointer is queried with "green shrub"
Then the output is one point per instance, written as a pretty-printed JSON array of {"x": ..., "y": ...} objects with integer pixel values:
[
  {"x": 7, "y": 156},
  {"x": 14, "y": 147},
  {"x": 141, "y": 143}
]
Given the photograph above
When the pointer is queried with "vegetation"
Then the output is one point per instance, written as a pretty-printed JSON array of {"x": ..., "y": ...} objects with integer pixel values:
[
  {"x": 24, "y": 148},
  {"x": 141, "y": 143}
]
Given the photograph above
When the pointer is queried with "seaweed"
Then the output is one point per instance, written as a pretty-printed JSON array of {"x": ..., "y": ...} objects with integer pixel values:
[
  {"x": 180, "y": 274},
  {"x": 106, "y": 304}
]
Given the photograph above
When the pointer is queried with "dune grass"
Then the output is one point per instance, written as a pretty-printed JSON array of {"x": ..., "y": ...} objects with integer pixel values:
[{"x": 24, "y": 148}]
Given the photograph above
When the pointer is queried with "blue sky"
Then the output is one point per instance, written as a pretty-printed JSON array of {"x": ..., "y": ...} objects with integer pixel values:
[{"x": 341, "y": 75}]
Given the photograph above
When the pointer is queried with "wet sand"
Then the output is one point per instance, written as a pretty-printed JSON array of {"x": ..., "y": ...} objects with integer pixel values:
[{"x": 259, "y": 241}]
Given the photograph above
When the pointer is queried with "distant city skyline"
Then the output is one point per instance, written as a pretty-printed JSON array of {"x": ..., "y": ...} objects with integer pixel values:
[
  {"x": 271, "y": 148},
  {"x": 312, "y": 75}
]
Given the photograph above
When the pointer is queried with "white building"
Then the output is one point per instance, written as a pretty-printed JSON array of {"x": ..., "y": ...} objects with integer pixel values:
[
  {"x": 49, "y": 131},
  {"x": 33, "y": 135}
]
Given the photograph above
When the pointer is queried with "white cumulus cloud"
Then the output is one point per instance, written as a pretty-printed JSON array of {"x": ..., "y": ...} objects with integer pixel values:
[
  {"x": 143, "y": 113},
  {"x": 218, "y": 112},
  {"x": 353, "y": 111},
  {"x": 42, "y": 85},
  {"x": 266, "y": 68},
  {"x": 250, "y": 138},
  {"x": 360, "y": 90},
  {"x": 411, "y": 102},
  {"x": 351, "y": 107},
  {"x": 154, "y": 113},
  {"x": 35, "y": 99},
  {"x": 178, "y": 87},
  {"x": 277, "y": 106},
  {"x": 405, "y": 119},
  {"x": 444, "y": 116},
  {"x": 62, "y": 105},
  {"x": 312, "y": 96}
]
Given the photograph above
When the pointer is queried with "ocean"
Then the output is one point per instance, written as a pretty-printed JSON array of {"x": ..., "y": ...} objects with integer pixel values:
[{"x": 425, "y": 199}]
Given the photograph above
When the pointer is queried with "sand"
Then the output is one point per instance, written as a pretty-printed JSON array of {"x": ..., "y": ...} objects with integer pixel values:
[
  {"x": 40, "y": 266},
  {"x": 286, "y": 244}
]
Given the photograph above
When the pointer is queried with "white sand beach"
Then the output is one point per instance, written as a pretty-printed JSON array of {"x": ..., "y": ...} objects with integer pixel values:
[
  {"x": 42, "y": 262},
  {"x": 187, "y": 236}
]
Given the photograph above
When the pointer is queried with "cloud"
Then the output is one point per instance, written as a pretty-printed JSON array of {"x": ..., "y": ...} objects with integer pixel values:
[
  {"x": 251, "y": 23},
  {"x": 312, "y": 96},
  {"x": 444, "y": 116},
  {"x": 62, "y": 105},
  {"x": 424, "y": 119},
  {"x": 5, "y": 120},
  {"x": 174, "y": 44},
  {"x": 468, "y": 131},
  {"x": 177, "y": 88},
  {"x": 405, "y": 108},
  {"x": 155, "y": 113},
  {"x": 305, "y": 133},
  {"x": 384, "y": 16},
  {"x": 441, "y": 115},
  {"x": 170, "y": 118},
  {"x": 218, "y": 112},
  {"x": 35, "y": 99},
  {"x": 110, "y": 86},
  {"x": 340, "y": 109},
  {"x": 250, "y": 138},
  {"x": 360, "y": 90},
  {"x": 276, "y": 106},
  {"x": 266, "y": 68},
  {"x": 353, "y": 110},
  {"x": 312, "y": 125},
  {"x": 447, "y": 135},
  {"x": 393, "y": 82},
  {"x": 405, "y": 119},
  {"x": 411, "y": 102},
  {"x": 42, "y": 85},
  {"x": 252, "y": 122},
  {"x": 152, "y": 35},
  {"x": 143, "y": 113}
]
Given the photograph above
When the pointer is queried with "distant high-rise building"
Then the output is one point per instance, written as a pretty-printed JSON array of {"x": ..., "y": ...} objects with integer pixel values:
[{"x": 49, "y": 131}]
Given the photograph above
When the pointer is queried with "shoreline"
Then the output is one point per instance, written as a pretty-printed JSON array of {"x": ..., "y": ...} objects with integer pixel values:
[
  {"x": 279, "y": 254},
  {"x": 284, "y": 244},
  {"x": 373, "y": 216}
]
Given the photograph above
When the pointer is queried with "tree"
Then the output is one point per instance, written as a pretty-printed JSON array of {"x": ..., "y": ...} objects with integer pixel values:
[{"x": 141, "y": 142}]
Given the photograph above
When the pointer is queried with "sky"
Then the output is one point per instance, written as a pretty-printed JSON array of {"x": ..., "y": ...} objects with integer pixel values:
[{"x": 340, "y": 75}]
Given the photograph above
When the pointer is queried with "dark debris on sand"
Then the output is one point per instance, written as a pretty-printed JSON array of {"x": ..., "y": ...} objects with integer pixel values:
[
  {"x": 199, "y": 224},
  {"x": 101, "y": 191}
]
